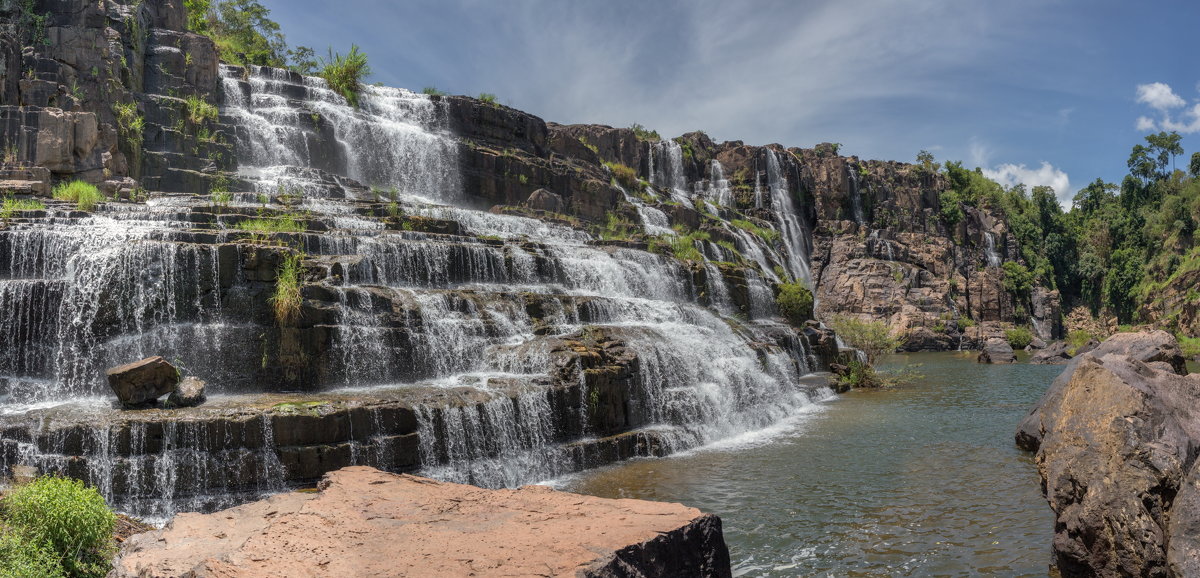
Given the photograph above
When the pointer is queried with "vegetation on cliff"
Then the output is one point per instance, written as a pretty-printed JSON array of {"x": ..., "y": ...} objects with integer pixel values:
[
  {"x": 345, "y": 73},
  {"x": 56, "y": 526}
]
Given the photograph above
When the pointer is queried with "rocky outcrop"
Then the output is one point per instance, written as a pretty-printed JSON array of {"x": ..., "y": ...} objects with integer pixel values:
[
  {"x": 1054, "y": 354},
  {"x": 1146, "y": 347},
  {"x": 996, "y": 351},
  {"x": 363, "y": 522},
  {"x": 144, "y": 381},
  {"x": 1115, "y": 437}
]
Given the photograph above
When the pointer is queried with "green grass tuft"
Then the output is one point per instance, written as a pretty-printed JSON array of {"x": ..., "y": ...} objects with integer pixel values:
[
  {"x": 281, "y": 224},
  {"x": 84, "y": 195},
  {"x": 345, "y": 74},
  {"x": 11, "y": 205},
  {"x": 286, "y": 300}
]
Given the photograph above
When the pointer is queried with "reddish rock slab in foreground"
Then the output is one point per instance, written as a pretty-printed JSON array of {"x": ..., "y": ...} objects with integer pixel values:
[{"x": 364, "y": 522}]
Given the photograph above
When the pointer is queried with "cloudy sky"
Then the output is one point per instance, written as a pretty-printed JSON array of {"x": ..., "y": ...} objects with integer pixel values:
[{"x": 1036, "y": 91}]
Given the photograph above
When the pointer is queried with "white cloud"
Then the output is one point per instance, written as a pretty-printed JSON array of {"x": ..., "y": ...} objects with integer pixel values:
[
  {"x": 1159, "y": 95},
  {"x": 1048, "y": 175}
]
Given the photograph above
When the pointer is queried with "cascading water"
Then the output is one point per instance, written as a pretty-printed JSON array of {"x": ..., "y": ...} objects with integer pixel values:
[
  {"x": 716, "y": 190},
  {"x": 666, "y": 169},
  {"x": 856, "y": 202},
  {"x": 792, "y": 225},
  {"x": 467, "y": 321},
  {"x": 989, "y": 249}
]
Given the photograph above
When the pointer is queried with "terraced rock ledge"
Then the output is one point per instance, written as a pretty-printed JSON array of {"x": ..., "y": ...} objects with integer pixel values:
[{"x": 363, "y": 522}]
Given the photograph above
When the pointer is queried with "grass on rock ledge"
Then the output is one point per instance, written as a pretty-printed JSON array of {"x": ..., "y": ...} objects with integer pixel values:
[{"x": 84, "y": 195}]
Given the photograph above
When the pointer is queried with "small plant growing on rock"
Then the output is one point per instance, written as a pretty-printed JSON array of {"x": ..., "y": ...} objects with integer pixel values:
[
  {"x": 345, "y": 74},
  {"x": 795, "y": 303},
  {"x": 84, "y": 195},
  {"x": 286, "y": 300},
  {"x": 432, "y": 91},
  {"x": 198, "y": 110},
  {"x": 488, "y": 98},
  {"x": 873, "y": 338},
  {"x": 63, "y": 517},
  {"x": 625, "y": 176}
]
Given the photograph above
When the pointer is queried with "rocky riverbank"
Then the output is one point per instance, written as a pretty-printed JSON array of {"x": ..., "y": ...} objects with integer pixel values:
[
  {"x": 1116, "y": 437},
  {"x": 363, "y": 522}
]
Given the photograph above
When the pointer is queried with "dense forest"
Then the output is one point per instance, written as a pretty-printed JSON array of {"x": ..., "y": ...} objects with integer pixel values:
[{"x": 1123, "y": 251}]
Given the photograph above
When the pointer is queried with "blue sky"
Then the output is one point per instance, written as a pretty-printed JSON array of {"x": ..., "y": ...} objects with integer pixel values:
[{"x": 1041, "y": 91}]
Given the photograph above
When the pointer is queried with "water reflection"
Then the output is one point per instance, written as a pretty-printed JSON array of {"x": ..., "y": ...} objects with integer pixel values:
[{"x": 917, "y": 481}]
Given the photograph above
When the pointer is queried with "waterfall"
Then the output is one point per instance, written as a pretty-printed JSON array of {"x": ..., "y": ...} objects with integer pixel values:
[
  {"x": 989, "y": 249},
  {"x": 455, "y": 316},
  {"x": 666, "y": 169},
  {"x": 856, "y": 203},
  {"x": 792, "y": 225},
  {"x": 395, "y": 138},
  {"x": 716, "y": 190}
]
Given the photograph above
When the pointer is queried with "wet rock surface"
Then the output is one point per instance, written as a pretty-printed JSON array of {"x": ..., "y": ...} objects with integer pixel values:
[
  {"x": 1115, "y": 437},
  {"x": 1053, "y": 354},
  {"x": 363, "y": 522},
  {"x": 142, "y": 382}
]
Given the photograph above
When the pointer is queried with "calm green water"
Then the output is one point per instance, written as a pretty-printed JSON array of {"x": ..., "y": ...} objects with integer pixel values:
[{"x": 917, "y": 481}]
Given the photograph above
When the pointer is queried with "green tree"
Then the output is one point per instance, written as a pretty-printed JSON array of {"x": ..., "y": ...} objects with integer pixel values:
[
  {"x": 1165, "y": 146},
  {"x": 1194, "y": 166},
  {"x": 872, "y": 337}
]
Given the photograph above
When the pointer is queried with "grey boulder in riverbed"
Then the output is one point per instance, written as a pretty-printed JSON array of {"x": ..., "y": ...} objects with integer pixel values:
[
  {"x": 142, "y": 382},
  {"x": 997, "y": 350},
  {"x": 1054, "y": 354},
  {"x": 1116, "y": 437}
]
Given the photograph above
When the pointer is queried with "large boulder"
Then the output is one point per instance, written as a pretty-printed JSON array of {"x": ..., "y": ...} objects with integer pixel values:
[
  {"x": 144, "y": 381},
  {"x": 996, "y": 350},
  {"x": 1117, "y": 457},
  {"x": 543, "y": 200},
  {"x": 1144, "y": 346},
  {"x": 1054, "y": 354},
  {"x": 364, "y": 522}
]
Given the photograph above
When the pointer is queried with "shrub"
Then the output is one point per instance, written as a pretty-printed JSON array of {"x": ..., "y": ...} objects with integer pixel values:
[
  {"x": 69, "y": 518},
  {"x": 488, "y": 98},
  {"x": 768, "y": 235},
  {"x": 872, "y": 337},
  {"x": 861, "y": 375},
  {"x": 23, "y": 558},
  {"x": 432, "y": 91},
  {"x": 643, "y": 133},
  {"x": 795, "y": 303},
  {"x": 222, "y": 199},
  {"x": 617, "y": 228},
  {"x": 84, "y": 195},
  {"x": 1018, "y": 337},
  {"x": 965, "y": 323},
  {"x": 286, "y": 300},
  {"x": 1190, "y": 346},
  {"x": 345, "y": 74},
  {"x": 129, "y": 123}
]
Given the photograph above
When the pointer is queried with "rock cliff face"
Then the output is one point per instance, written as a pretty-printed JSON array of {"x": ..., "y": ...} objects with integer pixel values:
[
  {"x": 1116, "y": 438},
  {"x": 410, "y": 526}
]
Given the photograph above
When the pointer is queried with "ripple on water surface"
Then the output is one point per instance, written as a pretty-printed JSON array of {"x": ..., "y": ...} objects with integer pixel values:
[{"x": 917, "y": 481}]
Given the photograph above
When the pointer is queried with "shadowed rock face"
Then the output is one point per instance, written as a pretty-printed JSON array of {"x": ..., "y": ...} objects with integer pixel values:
[
  {"x": 1116, "y": 438},
  {"x": 997, "y": 351},
  {"x": 409, "y": 526}
]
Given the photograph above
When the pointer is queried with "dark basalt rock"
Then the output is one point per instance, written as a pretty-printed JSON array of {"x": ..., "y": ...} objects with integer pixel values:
[{"x": 144, "y": 381}]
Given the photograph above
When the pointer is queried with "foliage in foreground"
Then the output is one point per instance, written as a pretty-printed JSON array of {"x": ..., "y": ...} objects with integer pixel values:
[
  {"x": 11, "y": 205},
  {"x": 346, "y": 73},
  {"x": 56, "y": 527},
  {"x": 84, "y": 195}
]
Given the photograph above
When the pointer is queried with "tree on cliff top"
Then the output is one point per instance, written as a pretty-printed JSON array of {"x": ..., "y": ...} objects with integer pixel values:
[{"x": 245, "y": 34}]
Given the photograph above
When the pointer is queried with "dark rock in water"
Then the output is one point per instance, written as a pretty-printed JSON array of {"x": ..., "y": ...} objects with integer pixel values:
[
  {"x": 364, "y": 522},
  {"x": 189, "y": 393},
  {"x": 1035, "y": 343},
  {"x": 543, "y": 200},
  {"x": 1145, "y": 346},
  {"x": 143, "y": 381},
  {"x": 1053, "y": 354},
  {"x": 996, "y": 351},
  {"x": 839, "y": 369},
  {"x": 1118, "y": 462}
]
